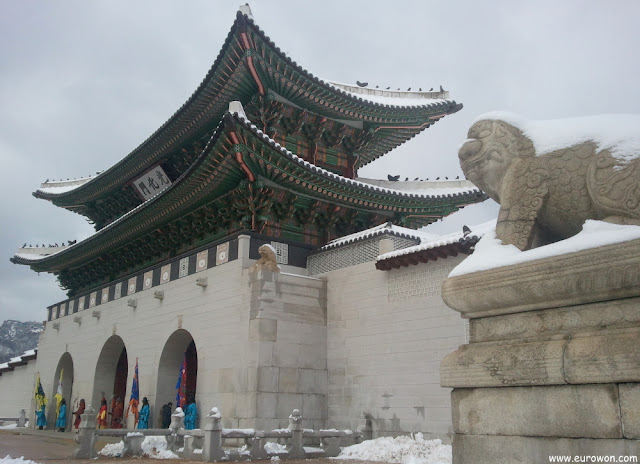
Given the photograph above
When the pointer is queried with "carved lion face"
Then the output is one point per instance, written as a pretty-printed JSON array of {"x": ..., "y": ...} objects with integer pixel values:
[
  {"x": 267, "y": 253},
  {"x": 491, "y": 147}
]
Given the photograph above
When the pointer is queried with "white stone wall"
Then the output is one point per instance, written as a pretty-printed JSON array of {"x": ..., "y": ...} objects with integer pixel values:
[
  {"x": 260, "y": 340},
  {"x": 17, "y": 388},
  {"x": 215, "y": 316},
  {"x": 387, "y": 332}
]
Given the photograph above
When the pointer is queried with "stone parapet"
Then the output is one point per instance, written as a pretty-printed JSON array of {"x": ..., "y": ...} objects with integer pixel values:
[
  {"x": 553, "y": 362},
  {"x": 492, "y": 449},
  {"x": 599, "y": 274}
]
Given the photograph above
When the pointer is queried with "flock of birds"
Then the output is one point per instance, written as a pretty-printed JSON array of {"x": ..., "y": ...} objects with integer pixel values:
[
  {"x": 75, "y": 178},
  {"x": 69, "y": 242},
  {"x": 397, "y": 178},
  {"x": 365, "y": 84}
]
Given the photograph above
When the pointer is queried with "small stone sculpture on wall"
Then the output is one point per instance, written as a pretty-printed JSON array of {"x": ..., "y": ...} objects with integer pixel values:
[
  {"x": 547, "y": 198},
  {"x": 267, "y": 259}
]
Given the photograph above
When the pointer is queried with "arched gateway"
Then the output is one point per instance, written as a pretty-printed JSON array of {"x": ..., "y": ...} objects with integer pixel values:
[
  {"x": 65, "y": 365},
  {"x": 179, "y": 347},
  {"x": 112, "y": 369}
]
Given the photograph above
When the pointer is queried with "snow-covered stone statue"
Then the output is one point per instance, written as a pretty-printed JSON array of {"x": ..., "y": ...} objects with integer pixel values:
[
  {"x": 267, "y": 259},
  {"x": 551, "y": 176}
]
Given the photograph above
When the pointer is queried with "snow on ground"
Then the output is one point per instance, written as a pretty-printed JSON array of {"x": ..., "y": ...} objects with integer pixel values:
[
  {"x": 490, "y": 253},
  {"x": 153, "y": 447},
  {"x": 7, "y": 427},
  {"x": 21, "y": 460},
  {"x": 619, "y": 132},
  {"x": 113, "y": 450},
  {"x": 404, "y": 450}
]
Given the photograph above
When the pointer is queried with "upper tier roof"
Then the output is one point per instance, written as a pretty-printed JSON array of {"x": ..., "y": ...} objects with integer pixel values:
[
  {"x": 238, "y": 160},
  {"x": 250, "y": 64}
]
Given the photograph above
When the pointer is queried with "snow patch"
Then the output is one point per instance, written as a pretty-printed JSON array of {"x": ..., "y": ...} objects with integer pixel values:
[
  {"x": 21, "y": 460},
  {"x": 405, "y": 450},
  {"x": 112, "y": 450},
  {"x": 618, "y": 132},
  {"x": 490, "y": 253}
]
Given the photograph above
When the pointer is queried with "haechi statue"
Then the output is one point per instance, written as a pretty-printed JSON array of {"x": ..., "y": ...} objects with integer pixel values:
[
  {"x": 547, "y": 197},
  {"x": 267, "y": 259}
]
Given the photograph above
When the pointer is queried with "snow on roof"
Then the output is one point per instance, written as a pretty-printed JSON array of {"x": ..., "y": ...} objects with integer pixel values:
[
  {"x": 426, "y": 193},
  {"x": 392, "y": 97},
  {"x": 490, "y": 253},
  {"x": 36, "y": 253},
  {"x": 61, "y": 186},
  {"x": 386, "y": 228},
  {"x": 29, "y": 353},
  {"x": 438, "y": 241},
  {"x": 4, "y": 365},
  {"x": 618, "y": 132},
  {"x": 421, "y": 187}
]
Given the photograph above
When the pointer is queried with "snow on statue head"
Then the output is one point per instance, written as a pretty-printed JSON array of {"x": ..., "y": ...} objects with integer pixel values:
[
  {"x": 546, "y": 197},
  {"x": 267, "y": 259}
]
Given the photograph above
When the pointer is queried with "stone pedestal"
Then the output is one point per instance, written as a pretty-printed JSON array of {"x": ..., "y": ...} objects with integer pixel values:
[{"x": 553, "y": 362}]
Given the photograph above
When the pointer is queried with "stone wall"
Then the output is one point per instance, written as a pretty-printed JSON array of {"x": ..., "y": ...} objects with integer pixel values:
[
  {"x": 20, "y": 382},
  {"x": 387, "y": 333},
  {"x": 552, "y": 363},
  {"x": 260, "y": 344}
]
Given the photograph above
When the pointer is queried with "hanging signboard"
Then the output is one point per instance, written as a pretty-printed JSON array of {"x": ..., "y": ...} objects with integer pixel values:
[{"x": 152, "y": 182}]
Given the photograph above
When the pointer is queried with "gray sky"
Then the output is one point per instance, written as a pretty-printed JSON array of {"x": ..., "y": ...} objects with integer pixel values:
[{"x": 83, "y": 83}]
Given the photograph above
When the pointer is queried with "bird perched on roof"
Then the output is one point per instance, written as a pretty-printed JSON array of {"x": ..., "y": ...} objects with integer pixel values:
[
  {"x": 437, "y": 178},
  {"x": 446, "y": 178},
  {"x": 457, "y": 177},
  {"x": 362, "y": 84},
  {"x": 419, "y": 89},
  {"x": 46, "y": 180},
  {"x": 25, "y": 244},
  {"x": 376, "y": 86},
  {"x": 406, "y": 179},
  {"x": 465, "y": 231},
  {"x": 416, "y": 179},
  {"x": 431, "y": 89},
  {"x": 393, "y": 178},
  {"x": 388, "y": 88},
  {"x": 408, "y": 89},
  {"x": 441, "y": 89}
]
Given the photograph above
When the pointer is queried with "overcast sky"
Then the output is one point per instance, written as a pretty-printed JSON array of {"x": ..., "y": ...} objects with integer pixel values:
[{"x": 82, "y": 83}]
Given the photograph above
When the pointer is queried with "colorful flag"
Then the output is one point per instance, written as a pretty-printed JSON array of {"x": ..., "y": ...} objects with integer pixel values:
[
  {"x": 181, "y": 386},
  {"x": 58, "y": 395},
  {"x": 135, "y": 396},
  {"x": 41, "y": 399}
]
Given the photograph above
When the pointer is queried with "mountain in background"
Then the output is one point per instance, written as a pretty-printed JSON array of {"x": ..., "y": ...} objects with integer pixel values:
[{"x": 16, "y": 337}]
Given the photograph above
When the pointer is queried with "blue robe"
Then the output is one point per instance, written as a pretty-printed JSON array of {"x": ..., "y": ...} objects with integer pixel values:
[
  {"x": 41, "y": 417},
  {"x": 143, "y": 417},
  {"x": 62, "y": 417},
  {"x": 190, "y": 417}
]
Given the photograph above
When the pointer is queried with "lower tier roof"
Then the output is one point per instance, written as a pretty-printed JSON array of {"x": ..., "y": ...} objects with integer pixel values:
[{"x": 242, "y": 180}]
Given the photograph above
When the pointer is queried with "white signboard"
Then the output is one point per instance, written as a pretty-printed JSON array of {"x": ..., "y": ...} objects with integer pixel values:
[{"x": 152, "y": 182}]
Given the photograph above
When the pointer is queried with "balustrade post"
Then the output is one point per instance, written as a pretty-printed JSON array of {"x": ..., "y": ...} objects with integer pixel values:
[
  {"x": 22, "y": 418},
  {"x": 296, "y": 448},
  {"x": 132, "y": 444},
  {"x": 367, "y": 430},
  {"x": 187, "y": 453},
  {"x": 86, "y": 436},
  {"x": 174, "y": 441},
  {"x": 212, "y": 450},
  {"x": 256, "y": 446},
  {"x": 331, "y": 446}
]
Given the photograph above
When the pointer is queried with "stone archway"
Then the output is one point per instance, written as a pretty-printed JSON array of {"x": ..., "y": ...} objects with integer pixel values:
[
  {"x": 65, "y": 363},
  {"x": 179, "y": 346},
  {"x": 112, "y": 369}
]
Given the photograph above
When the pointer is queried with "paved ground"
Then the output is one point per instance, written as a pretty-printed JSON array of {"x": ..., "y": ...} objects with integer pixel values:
[{"x": 54, "y": 447}]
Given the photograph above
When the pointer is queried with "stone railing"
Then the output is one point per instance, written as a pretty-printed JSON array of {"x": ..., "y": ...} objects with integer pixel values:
[
  {"x": 20, "y": 421},
  {"x": 208, "y": 444}
]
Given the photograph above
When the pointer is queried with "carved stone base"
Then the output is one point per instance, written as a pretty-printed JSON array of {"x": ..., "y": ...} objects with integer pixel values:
[{"x": 553, "y": 363}]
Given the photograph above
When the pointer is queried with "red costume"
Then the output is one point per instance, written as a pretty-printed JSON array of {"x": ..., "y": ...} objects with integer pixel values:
[
  {"x": 102, "y": 415},
  {"x": 116, "y": 414},
  {"x": 78, "y": 413}
]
